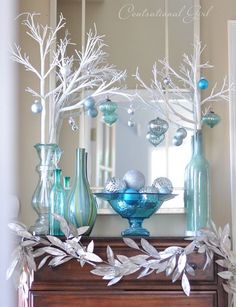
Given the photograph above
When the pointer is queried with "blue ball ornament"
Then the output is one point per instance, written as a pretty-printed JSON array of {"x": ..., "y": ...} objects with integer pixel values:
[
  {"x": 89, "y": 103},
  {"x": 93, "y": 112},
  {"x": 203, "y": 84},
  {"x": 131, "y": 196}
]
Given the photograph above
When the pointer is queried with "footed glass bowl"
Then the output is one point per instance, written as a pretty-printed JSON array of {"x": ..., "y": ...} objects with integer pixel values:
[{"x": 135, "y": 207}]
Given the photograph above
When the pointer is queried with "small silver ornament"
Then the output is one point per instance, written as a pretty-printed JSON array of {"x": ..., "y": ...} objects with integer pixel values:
[
  {"x": 163, "y": 184},
  {"x": 131, "y": 123},
  {"x": 71, "y": 121},
  {"x": 75, "y": 128},
  {"x": 36, "y": 107},
  {"x": 65, "y": 70},
  {"x": 115, "y": 185},
  {"x": 149, "y": 189},
  {"x": 130, "y": 111},
  {"x": 181, "y": 133},
  {"x": 134, "y": 179},
  {"x": 177, "y": 141},
  {"x": 166, "y": 81},
  {"x": 154, "y": 139},
  {"x": 158, "y": 126}
]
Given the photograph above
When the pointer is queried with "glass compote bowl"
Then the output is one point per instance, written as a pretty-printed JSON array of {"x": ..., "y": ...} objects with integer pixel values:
[{"x": 135, "y": 207}]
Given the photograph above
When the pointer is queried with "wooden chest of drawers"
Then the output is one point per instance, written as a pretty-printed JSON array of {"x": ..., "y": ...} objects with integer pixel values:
[{"x": 70, "y": 285}]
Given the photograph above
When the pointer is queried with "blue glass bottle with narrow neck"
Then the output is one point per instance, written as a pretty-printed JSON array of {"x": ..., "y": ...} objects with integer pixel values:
[
  {"x": 197, "y": 189},
  {"x": 57, "y": 204}
]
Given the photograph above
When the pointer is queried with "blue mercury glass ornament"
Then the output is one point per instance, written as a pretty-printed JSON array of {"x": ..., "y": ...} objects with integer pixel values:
[
  {"x": 92, "y": 112},
  {"x": 108, "y": 106},
  {"x": 110, "y": 118},
  {"x": 57, "y": 204},
  {"x": 211, "y": 119},
  {"x": 197, "y": 189},
  {"x": 82, "y": 206},
  {"x": 89, "y": 103},
  {"x": 155, "y": 139},
  {"x": 158, "y": 126},
  {"x": 202, "y": 84}
]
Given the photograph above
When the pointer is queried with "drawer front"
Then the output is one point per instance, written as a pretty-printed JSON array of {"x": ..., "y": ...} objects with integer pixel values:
[{"x": 131, "y": 299}]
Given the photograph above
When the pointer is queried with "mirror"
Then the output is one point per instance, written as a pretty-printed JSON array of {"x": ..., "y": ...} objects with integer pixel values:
[{"x": 137, "y": 33}]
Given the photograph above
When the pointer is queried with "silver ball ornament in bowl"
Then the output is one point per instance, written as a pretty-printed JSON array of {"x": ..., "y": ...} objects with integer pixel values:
[
  {"x": 163, "y": 184},
  {"x": 115, "y": 185},
  {"x": 134, "y": 179},
  {"x": 149, "y": 189}
]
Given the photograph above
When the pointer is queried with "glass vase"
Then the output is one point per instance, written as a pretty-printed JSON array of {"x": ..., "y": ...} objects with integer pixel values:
[
  {"x": 49, "y": 155},
  {"x": 197, "y": 194},
  {"x": 82, "y": 206},
  {"x": 57, "y": 204}
]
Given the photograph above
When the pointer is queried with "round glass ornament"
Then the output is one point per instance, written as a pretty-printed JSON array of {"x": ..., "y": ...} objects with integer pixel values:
[
  {"x": 177, "y": 141},
  {"x": 181, "y": 133},
  {"x": 36, "y": 107},
  {"x": 163, "y": 184},
  {"x": 115, "y": 185},
  {"x": 131, "y": 196},
  {"x": 203, "y": 84},
  {"x": 92, "y": 112},
  {"x": 89, "y": 103}
]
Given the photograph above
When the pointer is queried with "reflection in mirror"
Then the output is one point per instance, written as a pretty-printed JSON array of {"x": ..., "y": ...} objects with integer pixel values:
[{"x": 138, "y": 33}]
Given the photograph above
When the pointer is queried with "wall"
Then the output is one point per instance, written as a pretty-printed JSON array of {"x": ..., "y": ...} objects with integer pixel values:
[{"x": 214, "y": 33}]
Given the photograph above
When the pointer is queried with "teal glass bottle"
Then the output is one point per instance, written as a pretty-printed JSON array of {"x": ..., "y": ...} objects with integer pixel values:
[
  {"x": 49, "y": 155},
  {"x": 66, "y": 185},
  {"x": 82, "y": 205},
  {"x": 197, "y": 189},
  {"x": 57, "y": 204},
  {"x": 187, "y": 181}
]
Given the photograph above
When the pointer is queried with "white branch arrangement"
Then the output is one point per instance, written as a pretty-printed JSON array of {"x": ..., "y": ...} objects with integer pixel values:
[
  {"x": 167, "y": 81},
  {"x": 85, "y": 70},
  {"x": 173, "y": 261}
]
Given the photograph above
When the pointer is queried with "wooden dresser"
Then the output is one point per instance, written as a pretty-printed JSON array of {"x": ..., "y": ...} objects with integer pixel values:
[{"x": 70, "y": 285}]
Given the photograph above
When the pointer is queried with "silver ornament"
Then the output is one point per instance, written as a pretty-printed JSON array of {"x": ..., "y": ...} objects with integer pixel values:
[
  {"x": 154, "y": 139},
  {"x": 148, "y": 189},
  {"x": 115, "y": 185},
  {"x": 134, "y": 179},
  {"x": 36, "y": 107},
  {"x": 158, "y": 126},
  {"x": 130, "y": 111},
  {"x": 131, "y": 123},
  {"x": 166, "y": 81},
  {"x": 65, "y": 70},
  {"x": 163, "y": 184},
  {"x": 177, "y": 141},
  {"x": 75, "y": 128},
  {"x": 181, "y": 133},
  {"x": 71, "y": 121}
]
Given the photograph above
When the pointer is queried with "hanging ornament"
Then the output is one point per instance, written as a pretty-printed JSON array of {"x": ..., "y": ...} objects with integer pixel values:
[
  {"x": 181, "y": 133},
  {"x": 71, "y": 121},
  {"x": 131, "y": 123},
  {"x": 202, "y": 84},
  {"x": 110, "y": 118},
  {"x": 155, "y": 139},
  {"x": 65, "y": 70},
  {"x": 158, "y": 126},
  {"x": 211, "y": 119},
  {"x": 93, "y": 112},
  {"x": 36, "y": 107},
  {"x": 177, "y": 141},
  {"x": 130, "y": 111},
  {"x": 75, "y": 128},
  {"x": 134, "y": 179},
  {"x": 108, "y": 107},
  {"x": 89, "y": 103},
  {"x": 115, "y": 185},
  {"x": 166, "y": 81},
  {"x": 163, "y": 184}
]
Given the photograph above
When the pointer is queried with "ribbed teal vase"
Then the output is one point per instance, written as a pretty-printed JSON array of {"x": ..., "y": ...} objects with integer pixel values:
[
  {"x": 49, "y": 155},
  {"x": 82, "y": 206},
  {"x": 57, "y": 204},
  {"x": 197, "y": 188}
]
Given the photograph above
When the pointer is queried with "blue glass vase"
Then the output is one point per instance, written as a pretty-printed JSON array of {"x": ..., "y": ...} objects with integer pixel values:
[
  {"x": 57, "y": 204},
  {"x": 197, "y": 188},
  {"x": 82, "y": 205},
  {"x": 49, "y": 155}
]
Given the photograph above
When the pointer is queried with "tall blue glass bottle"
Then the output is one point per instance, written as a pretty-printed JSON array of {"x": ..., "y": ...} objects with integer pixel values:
[
  {"x": 197, "y": 189},
  {"x": 82, "y": 205},
  {"x": 57, "y": 204}
]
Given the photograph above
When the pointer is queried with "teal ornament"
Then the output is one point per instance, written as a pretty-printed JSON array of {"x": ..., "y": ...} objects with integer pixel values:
[
  {"x": 155, "y": 139},
  {"x": 108, "y": 107},
  {"x": 211, "y": 119},
  {"x": 89, "y": 103},
  {"x": 134, "y": 179},
  {"x": 163, "y": 184},
  {"x": 110, "y": 118},
  {"x": 202, "y": 84},
  {"x": 92, "y": 112},
  {"x": 36, "y": 107},
  {"x": 131, "y": 196},
  {"x": 181, "y": 133},
  {"x": 158, "y": 126},
  {"x": 177, "y": 141},
  {"x": 57, "y": 204}
]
